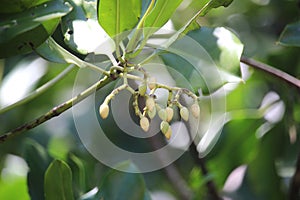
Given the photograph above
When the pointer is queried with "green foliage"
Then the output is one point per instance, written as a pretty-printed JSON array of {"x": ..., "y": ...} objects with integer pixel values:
[
  {"x": 23, "y": 32},
  {"x": 117, "y": 16},
  {"x": 290, "y": 35},
  {"x": 58, "y": 181},
  {"x": 259, "y": 132},
  {"x": 120, "y": 185}
]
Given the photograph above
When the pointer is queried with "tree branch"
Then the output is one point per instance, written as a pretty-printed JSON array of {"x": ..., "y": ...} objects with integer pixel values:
[
  {"x": 56, "y": 111},
  {"x": 39, "y": 90},
  {"x": 172, "y": 172},
  {"x": 294, "y": 193},
  {"x": 212, "y": 190},
  {"x": 273, "y": 71}
]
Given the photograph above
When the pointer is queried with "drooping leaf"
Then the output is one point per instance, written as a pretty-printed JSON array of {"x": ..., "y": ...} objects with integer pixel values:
[
  {"x": 58, "y": 181},
  {"x": 121, "y": 185},
  {"x": 160, "y": 14},
  {"x": 14, "y": 6},
  {"x": 38, "y": 161},
  {"x": 290, "y": 35},
  {"x": 53, "y": 52},
  {"x": 208, "y": 58},
  {"x": 117, "y": 16},
  {"x": 22, "y": 32}
]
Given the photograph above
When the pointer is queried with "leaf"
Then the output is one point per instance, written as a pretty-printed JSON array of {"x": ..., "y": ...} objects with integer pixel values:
[
  {"x": 38, "y": 161},
  {"x": 58, "y": 181},
  {"x": 160, "y": 14},
  {"x": 117, "y": 16},
  {"x": 22, "y": 32},
  {"x": 192, "y": 24},
  {"x": 14, "y": 6},
  {"x": 53, "y": 52},
  {"x": 290, "y": 35},
  {"x": 208, "y": 58},
  {"x": 121, "y": 185}
]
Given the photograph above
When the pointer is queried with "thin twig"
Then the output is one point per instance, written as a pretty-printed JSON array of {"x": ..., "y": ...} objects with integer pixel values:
[
  {"x": 172, "y": 172},
  {"x": 57, "y": 110},
  {"x": 294, "y": 193},
  {"x": 271, "y": 70},
  {"x": 39, "y": 90},
  {"x": 212, "y": 190}
]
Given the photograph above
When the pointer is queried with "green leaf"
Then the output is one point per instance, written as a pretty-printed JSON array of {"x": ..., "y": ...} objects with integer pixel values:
[
  {"x": 290, "y": 35},
  {"x": 14, "y": 6},
  {"x": 160, "y": 14},
  {"x": 216, "y": 49},
  {"x": 121, "y": 185},
  {"x": 22, "y": 32},
  {"x": 53, "y": 52},
  {"x": 58, "y": 181},
  {"x": 117, "y": 16},
  {"x": 38, "y": 161}
]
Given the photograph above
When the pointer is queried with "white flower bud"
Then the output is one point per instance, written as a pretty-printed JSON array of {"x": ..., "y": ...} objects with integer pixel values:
[
  {"x": 184, "y": 113},
  {"x": 195, "y": 110},
  {"x": 104, "y": 111},
  {"x": 144, "y": 123},
  {"x": 170, "y": 113}
]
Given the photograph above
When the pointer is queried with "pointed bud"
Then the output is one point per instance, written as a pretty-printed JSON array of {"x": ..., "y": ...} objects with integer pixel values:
[
  {"x": 104, "y": 110},
  {"x": 184, "y": 113},
  {"x": 152, "y": 83},
  {"x": 142, "y": 89},
  {"x": 170, "y": 113},
  {"x": 144, "y": 123},
  {"x": 195, "y": 110},
  {"x": 151, "y": 114},
  {"x": 163, "y": 114},
  {"x": 150, "y": 103},
  {"x": 164, "y": 127},
  {"x": 168, "y": 133}
]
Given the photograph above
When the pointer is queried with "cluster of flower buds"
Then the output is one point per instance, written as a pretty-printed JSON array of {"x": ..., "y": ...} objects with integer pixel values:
[{"x": 152, "y": 109}]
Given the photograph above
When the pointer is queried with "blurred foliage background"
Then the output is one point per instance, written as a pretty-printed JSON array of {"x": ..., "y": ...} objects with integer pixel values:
[{"x": 254, "y": 158}]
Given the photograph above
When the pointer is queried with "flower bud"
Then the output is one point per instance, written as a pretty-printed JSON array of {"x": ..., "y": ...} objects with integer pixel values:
[
  {"x": 142, "y": 89},
  {"x": 164, "y": 127},
  {"x": 163, "y": 114},
  {"x": 104, "y": 110},
  {"x": 152, "y": 83},
  {"x": 195, "y": 110},
  {"x": 184, "y": 113},
  {"x": 170, "y": 113},
  {"x": 152, "y": 113},
  {"x": 150, "y": 103},
  {"x": 168, "y": 133},
  {"x": 144, "y": 123}
]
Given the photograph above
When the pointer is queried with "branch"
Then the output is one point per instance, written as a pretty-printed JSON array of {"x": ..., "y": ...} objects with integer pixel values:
[
  {"x": 172, "y": 172},
  {"x": 212, "y": 190},
  {"x": 40, "y": 90},
  {"x": 294, "y": 193},
  {"x": 58, "y": 109},
  {"x": 273, "y": 71}
]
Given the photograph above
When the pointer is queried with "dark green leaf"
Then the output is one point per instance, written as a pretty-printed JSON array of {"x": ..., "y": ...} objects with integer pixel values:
[
  {"x": 38, "y": 161},
  {"x": 160, "y": 14},
  {"x": 14, "y": 6},
  {"x": 58, "y": 181},
  {"x": 22, "y": 32},
  {"x": 290, "y": 35},
  {"x": 121, "y": 185},
  {"x": 53, "y": 52},
  {"x": 216, "y": 49},
  {"x": 117, "y": 16}
]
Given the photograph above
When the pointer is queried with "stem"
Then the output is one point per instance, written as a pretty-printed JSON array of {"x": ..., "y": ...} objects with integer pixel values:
[
  {"x": 172, "y": 172},
  {"x": 294, "y": 193},
  {"x": 212, "y": 190},
  {"x": 273, "y": 71},
  {"x": 39, "y": 90},
  {"x": 56, "y": 111}
]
